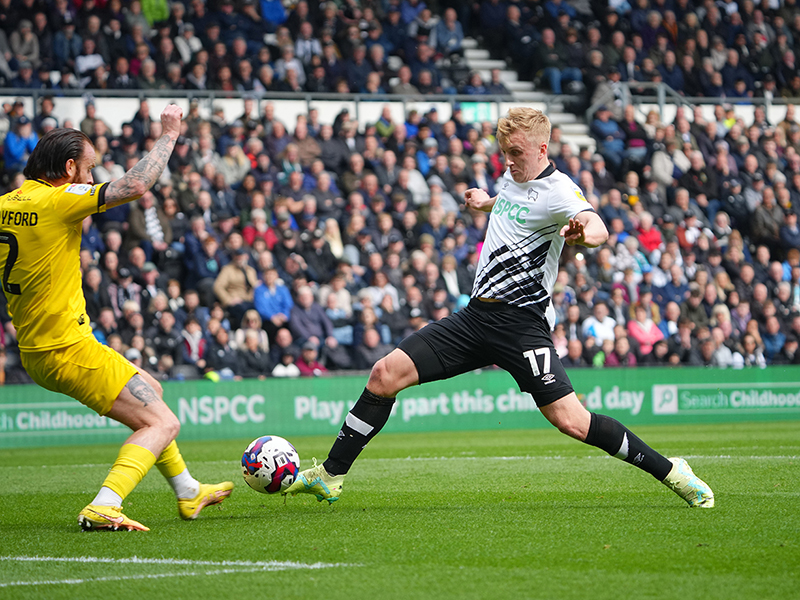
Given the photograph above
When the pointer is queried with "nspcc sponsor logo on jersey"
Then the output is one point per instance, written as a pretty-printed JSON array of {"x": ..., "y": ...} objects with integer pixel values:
[{"x": 511, "y": 210}]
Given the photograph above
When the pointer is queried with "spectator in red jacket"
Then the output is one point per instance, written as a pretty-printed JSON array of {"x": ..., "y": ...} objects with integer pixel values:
[
  {"x": 308, "y": 364},
  {"x": 649, "y": 237},
  {"x": 258, "y": 228}
]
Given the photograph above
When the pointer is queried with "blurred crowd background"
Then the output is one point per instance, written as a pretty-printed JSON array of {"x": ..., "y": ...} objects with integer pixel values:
[{"x": 273, "y": 248}]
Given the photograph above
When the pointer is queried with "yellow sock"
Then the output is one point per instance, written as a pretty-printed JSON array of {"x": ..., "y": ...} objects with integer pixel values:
[
  {"x": 132, "y": 464},
  {"x": 170, "y": 462},
  {"x": 172, "y": 467}
]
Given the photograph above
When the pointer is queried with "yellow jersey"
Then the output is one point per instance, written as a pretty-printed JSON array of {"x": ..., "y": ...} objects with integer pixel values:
[{"x": 40, "y": 239}]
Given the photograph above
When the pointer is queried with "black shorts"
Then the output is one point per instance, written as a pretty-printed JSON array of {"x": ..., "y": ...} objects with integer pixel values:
[{"x": 491, "y": 333}]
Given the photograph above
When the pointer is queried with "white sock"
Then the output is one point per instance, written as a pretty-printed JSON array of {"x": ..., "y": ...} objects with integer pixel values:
[
  {"x": 107, "y": 497},
  {"x": 186, "y": 487}
]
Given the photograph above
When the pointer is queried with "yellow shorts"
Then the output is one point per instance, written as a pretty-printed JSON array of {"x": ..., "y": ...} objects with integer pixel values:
[{"x": 88, "y": 371}]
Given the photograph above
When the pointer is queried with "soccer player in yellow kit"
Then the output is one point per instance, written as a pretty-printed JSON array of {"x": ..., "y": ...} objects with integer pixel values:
[{"x": 40, "y": 236}]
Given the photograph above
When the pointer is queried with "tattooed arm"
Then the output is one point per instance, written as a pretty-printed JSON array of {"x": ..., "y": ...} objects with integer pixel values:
[{"x": 147, "y": 171}]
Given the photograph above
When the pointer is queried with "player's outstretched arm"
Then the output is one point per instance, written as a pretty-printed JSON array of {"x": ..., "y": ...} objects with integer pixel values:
[
  {"x": 586, "y": 229},
  {"x": 479, "y": 200},
  {"x": 147, "y": 171}
]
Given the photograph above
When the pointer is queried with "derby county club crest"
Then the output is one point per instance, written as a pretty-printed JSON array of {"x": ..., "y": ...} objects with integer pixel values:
[{"x": 533, "y": 195}]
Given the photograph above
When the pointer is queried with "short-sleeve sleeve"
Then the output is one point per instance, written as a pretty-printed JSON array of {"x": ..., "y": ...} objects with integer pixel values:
[
  {"x": 566, "y": 201},
  {"x": 77, "y": 201}
]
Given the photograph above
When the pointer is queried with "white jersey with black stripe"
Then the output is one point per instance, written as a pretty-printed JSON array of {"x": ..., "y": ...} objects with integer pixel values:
[{"x": 519, "y": 258}]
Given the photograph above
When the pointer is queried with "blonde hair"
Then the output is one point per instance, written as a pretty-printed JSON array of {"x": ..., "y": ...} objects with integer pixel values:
[{"x": 530, "y": 120}]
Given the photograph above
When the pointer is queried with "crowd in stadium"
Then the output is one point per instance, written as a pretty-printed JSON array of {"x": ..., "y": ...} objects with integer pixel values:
[{"x": 274, "y": 248}]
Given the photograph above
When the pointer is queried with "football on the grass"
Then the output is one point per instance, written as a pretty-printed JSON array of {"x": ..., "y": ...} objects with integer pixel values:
[{"x": 270, "y": 464}]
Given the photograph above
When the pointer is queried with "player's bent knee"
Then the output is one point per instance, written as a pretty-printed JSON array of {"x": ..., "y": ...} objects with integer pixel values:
[
  {"x": 572, "y": 429},
  {"x": 171, "y": 425},
  {"x": 392, "y": 374},
  {"x": 380, "y": 379}
]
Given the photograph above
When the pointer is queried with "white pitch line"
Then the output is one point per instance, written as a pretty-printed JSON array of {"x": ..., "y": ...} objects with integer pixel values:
[
  {"x": 232, "y": 566},
  {"x": 128, "y": 577},
  {"x": 175, "y": 561}
]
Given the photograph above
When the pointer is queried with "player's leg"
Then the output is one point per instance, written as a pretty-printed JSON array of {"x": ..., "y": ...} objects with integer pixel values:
[
  {"x": 611, "y": 436},
  {"x": 606, "y": 433},
  {"x": 527, "y": 352},
  {"x": 389, "y": 376},
  {"x": 192, "y": 495},
  {"x": 442, "y": 349},
  {"x": 154, "y": 426}
]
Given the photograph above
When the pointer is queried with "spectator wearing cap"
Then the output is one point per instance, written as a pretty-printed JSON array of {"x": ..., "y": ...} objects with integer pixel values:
[
  {"x": 153, "y": 284},
  {"x": 19, "y": 144},
  {"x": 187, "y": 43},
  {"x": 320, "y": 261},
  {"x": 603, "y": 179},
  {"x": 134, "y": 356},
  {"x": 123, "y": 289},
  {"x": 26, "y": 78},
  {"x": 24, "y": 44},
  {"x": 308, "y": 362},
  {"x": 235, "y": 286},
  {"x": 376, "y": 37},
  {"x": 692, "y": 308}
]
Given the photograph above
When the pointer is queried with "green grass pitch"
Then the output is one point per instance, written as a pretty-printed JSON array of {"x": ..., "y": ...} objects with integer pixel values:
[{"x": 522, "y": 514}]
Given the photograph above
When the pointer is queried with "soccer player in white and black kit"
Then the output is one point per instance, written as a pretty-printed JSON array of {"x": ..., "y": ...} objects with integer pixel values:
[{"x": 507, "y": 321}]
